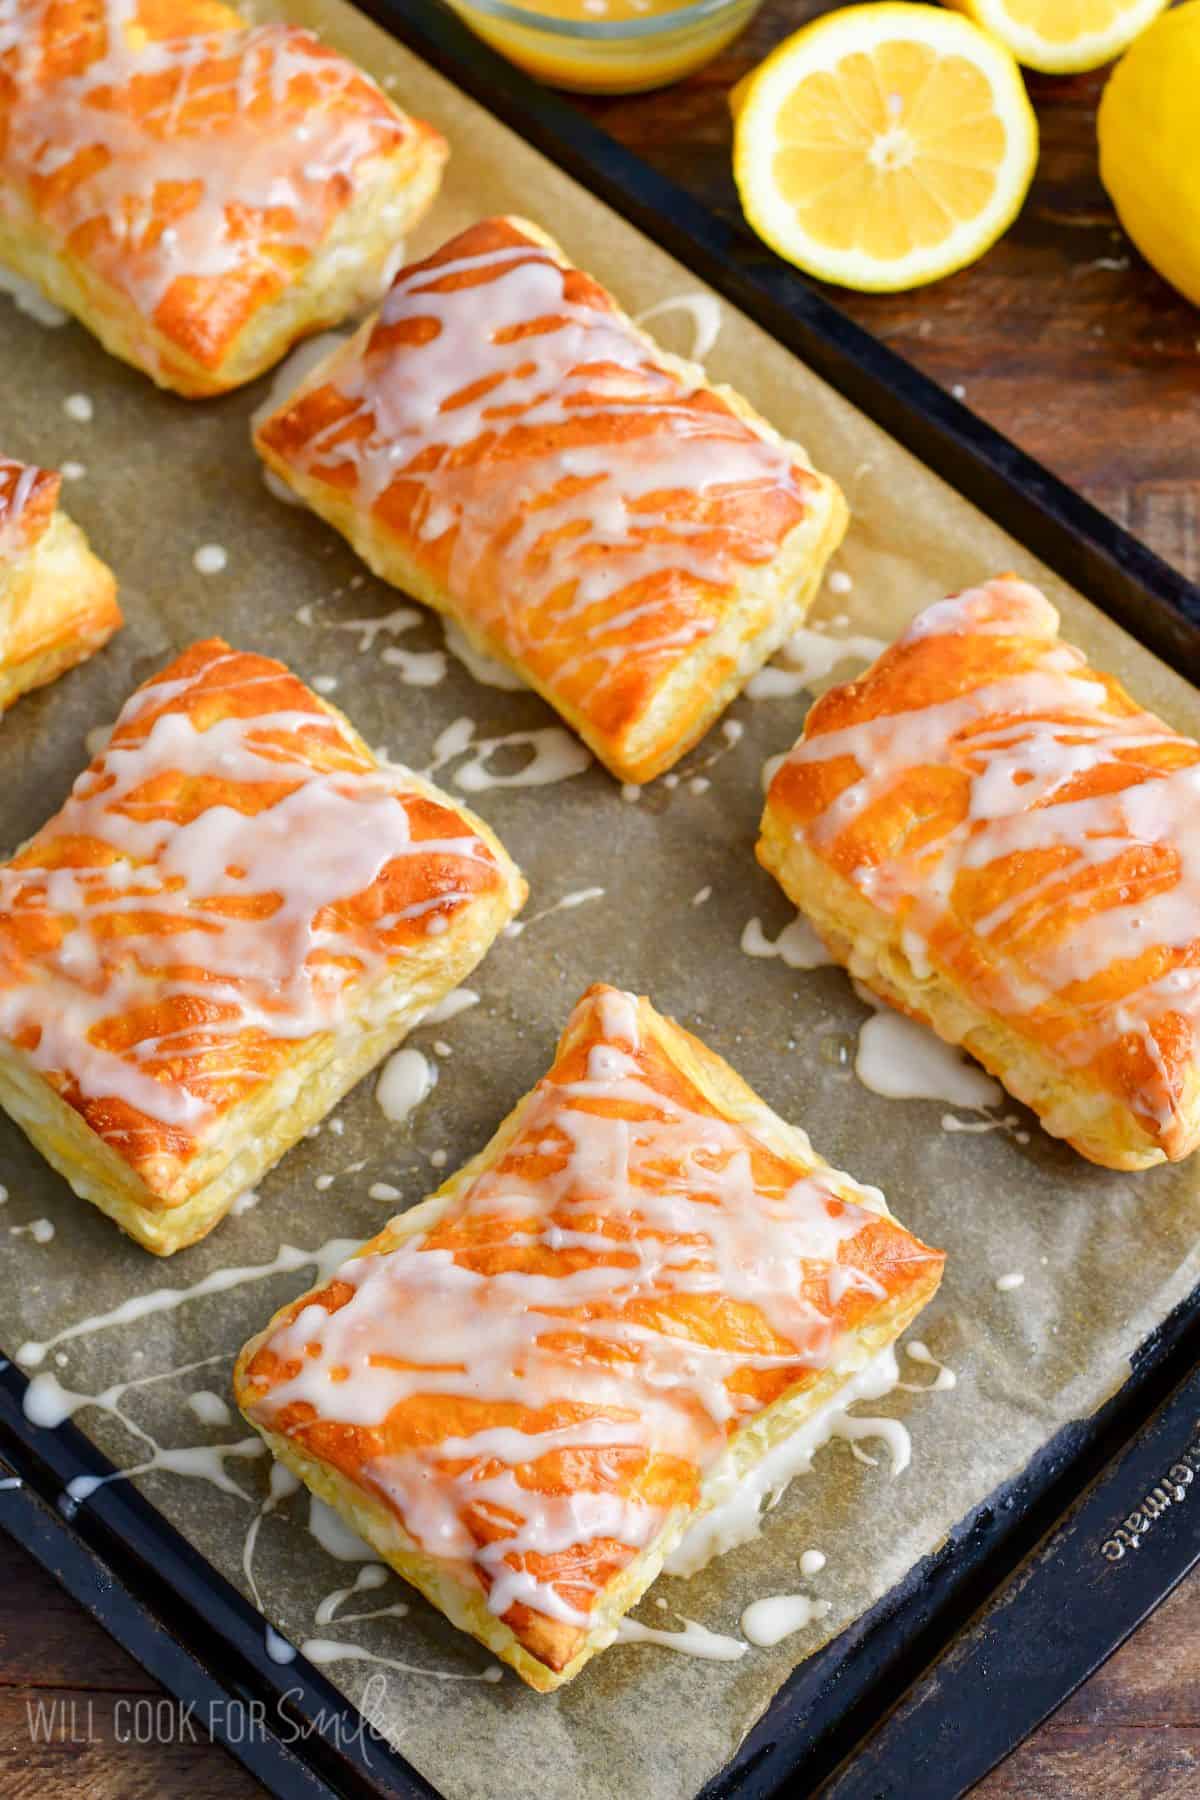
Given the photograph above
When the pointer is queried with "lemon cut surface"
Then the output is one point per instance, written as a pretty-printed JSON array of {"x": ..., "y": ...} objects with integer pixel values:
[
  {"x": 1061, "y": 37},
  {"x": 885, "y": 146}
]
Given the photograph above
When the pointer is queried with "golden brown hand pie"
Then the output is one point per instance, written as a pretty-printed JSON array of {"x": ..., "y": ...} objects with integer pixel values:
[
  {"x": 199, "y": 192},
  {"x": 57, "y": 601},
  {"x": 993, "y": 836},
  {"x": 235, "y": 914},
  {"x": 522, "y": 1391},
  {"x": 504, "y": 443}
]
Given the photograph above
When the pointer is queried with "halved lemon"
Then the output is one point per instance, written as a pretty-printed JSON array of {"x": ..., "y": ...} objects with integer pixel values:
[
  {"x": 884, "y": 146},
  {"x": 1060, "y": 37}
]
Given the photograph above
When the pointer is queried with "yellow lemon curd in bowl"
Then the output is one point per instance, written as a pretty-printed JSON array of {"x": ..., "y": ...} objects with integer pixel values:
[{"x": 608, "y": 46}]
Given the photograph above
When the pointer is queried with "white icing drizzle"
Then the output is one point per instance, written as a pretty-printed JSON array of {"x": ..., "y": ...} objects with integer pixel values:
[
  {"x": 945, "y": 1379},
  {"x": 335, "y": 1537},
  {"x": 404, "y": 1081},
  {"x": 901, "y": 1059},
  {"x": 636, "y": 1207},
  {"x": 979, "y": 1127},
  {"x": 809, "y": 656},
  {"x": 47, "y": 1403},
  {"x": 278, "y": 1648},
  {"x": 243, "y": 191},
  {"x": 568, "y": 903},
  {"x": 372, "y": 1575},
  {"x": 771, "y": 768},
  {"x": 645, "y": 520},
  {"x": 458, "y": 1000},
  {"x": 738, "y": 1501},
  {"x": 704, "y": 311},
  {"x": 389, "y": 624},
  {"x": 97, "y": 738},
  {"x": 1086, "y": 803},
  {"x": 891, "y": 1433},
  {"x": 281, "y": 1484},
  {"x": 693, "y": 1640},
  {"x": 769, "y": 1621},
  {"x": 183, "y": 889},
  {"x": 29, "y": 300},
  {"x": 31, "y": 1355},
  {"x": 797, "y": 944},
  {"x": 484, "y": 668},
  {"x": 418, "y": 668},
  {"x": 208, "y": 1407},
  {"x": 40, "y": 1230},
  {"x": 550, "y": 753}
]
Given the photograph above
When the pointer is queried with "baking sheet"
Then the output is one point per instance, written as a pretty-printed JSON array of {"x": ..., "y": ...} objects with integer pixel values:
[{"x": 1104, "y": 1256}]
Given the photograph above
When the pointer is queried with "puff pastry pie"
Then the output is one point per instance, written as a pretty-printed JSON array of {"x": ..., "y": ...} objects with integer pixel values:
[
  {"x": 522, "y": 1391},
  {"x": 503, "y": 442},
  {"x": 199, "y": 192},
  {"x": 235, "y": 914},
  {"x": 994, "y": 837},
  {"x": 58, "y": 602}
]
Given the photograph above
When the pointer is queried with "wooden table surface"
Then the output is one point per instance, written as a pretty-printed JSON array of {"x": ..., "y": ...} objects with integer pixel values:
[{"x": 1067, "y": 342}]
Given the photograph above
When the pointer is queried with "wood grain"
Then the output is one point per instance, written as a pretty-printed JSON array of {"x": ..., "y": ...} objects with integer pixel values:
[{"x": 1064, "y": 339}]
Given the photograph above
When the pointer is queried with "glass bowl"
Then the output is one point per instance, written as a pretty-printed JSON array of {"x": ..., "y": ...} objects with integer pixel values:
[{"x": 609, "y": 56}]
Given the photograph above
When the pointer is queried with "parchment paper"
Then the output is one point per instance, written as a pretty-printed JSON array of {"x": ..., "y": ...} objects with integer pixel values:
[{"x": 1104, "y": 1256}]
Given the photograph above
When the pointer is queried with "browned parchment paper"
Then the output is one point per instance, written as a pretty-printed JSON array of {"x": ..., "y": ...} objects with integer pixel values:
[{"x": 1104, "y": 1256}]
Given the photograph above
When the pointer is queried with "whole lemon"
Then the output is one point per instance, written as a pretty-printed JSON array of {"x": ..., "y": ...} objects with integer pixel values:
[{"x": 1149, "y": 129}]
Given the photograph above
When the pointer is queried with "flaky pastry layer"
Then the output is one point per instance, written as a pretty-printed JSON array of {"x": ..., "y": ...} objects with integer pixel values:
[
  {"x": 235, "y": 915},
  {"x": 844, "y": 1279},
  {"x": 994, "y": 838},
  {"x": 57, "y": 600},
  {"x": 270, "y": 181},
  {"x": 631, "y": 540}
]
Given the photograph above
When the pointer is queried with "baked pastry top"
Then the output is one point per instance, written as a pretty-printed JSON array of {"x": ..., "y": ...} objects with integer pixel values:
[
  {"x": 198, "y": 191},
  {"x": 57, "y": 601},
  {"x": 519, "y": 1391},
  {"x": 995, "y": 837},
  {"x": 236, "y": 912},
  {"x": 502, "y": 441}
]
